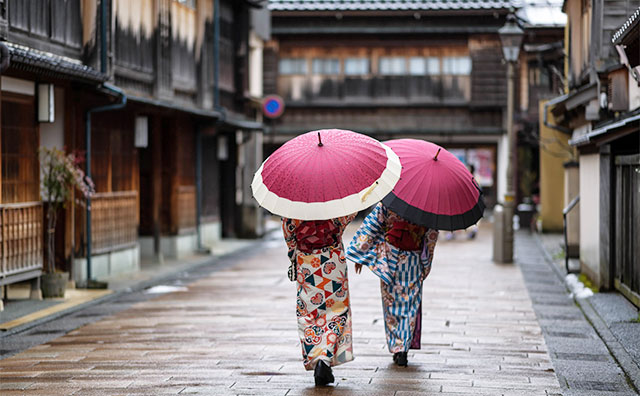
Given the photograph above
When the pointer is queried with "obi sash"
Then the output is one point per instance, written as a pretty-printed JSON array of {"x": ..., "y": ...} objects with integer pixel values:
[
  {"x": 316, "y": 234},
  {"x": 405, "y": 236}
]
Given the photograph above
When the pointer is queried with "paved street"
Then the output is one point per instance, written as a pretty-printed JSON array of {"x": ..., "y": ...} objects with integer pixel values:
[{"x": 233, "y": 332}]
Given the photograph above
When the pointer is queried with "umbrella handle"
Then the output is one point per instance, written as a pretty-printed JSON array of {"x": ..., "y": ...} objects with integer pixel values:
[{"x": 369, "y": 191}]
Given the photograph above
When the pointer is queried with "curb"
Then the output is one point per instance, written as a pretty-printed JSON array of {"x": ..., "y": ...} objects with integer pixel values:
[
  {"x": 617, "y": 351},
  {"x": 621, "y": 356}
]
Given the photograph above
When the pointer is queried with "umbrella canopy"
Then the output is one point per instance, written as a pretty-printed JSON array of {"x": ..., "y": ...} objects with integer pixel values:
[
  {"x": 435, "y": 190},
  {"x": 325, "y": 174}
]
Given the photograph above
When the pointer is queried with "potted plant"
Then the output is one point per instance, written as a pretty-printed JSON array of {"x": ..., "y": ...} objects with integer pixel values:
[{"x": 60, "y": 176}]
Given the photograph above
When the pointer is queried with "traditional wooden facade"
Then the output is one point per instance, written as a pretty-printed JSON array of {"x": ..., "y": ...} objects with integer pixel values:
[
  {"x": 600, "y": 112},
  {"x": 425, "y": 69},
  {"x": 160, "y": 162},
  {"x": 29, "y": 71}
]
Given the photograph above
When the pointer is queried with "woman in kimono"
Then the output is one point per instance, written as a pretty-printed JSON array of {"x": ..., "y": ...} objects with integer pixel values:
[
  {"x": 319, "y": 267},
  {"x": 400, "y": 254}
]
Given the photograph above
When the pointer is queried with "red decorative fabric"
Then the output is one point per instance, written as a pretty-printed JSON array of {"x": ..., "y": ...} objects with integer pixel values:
[
  {"x": 316, "y": 234},
  {"x": 405, "y": 235}
]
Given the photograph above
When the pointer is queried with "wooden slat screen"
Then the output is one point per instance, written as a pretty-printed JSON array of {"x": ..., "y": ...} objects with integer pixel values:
[
  {"x": 20, "y": 237},
  {"x": 114, "y": 223},
  {"x": 20, "y": 140},
  {"x": 627, "y": 234},
  {"x": 185, "y": 207}
]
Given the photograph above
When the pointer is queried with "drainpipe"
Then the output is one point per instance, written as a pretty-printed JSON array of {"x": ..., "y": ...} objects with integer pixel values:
[{"x": 122, "y": 103}]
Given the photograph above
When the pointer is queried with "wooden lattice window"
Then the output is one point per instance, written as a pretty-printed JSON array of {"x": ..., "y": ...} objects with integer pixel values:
[
  {"x": 113, "y": 158},
  {"x": 20, "y": 141}
]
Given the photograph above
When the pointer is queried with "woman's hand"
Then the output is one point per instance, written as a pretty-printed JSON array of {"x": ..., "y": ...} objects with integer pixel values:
[{"x": 358, "y": 268}]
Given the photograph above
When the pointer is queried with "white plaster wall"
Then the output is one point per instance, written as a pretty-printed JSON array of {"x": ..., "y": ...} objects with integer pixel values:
[
  {"x": 634, "y": 93},
  {"x": 590, "y": 212},
  {"x": 52, "y": 133},
  {"x": 255, "y": 65},
  {"x": 210, "y": 233},
  {"x": 106, "y": 265}
]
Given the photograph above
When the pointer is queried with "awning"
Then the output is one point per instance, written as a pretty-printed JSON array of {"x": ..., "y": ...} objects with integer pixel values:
[
  {"x": 221, "y": 116},
  {"x": 603, "y": 130},
  {"x": 51, "y": 65},
  {"x": 573, "y": 100}
]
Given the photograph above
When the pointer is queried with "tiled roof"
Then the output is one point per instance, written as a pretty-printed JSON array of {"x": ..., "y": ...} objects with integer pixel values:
[
  {"x": 387, "y": 5},
  {"x": 632, "y": 21},
  {"x": 47, "y": 64}
]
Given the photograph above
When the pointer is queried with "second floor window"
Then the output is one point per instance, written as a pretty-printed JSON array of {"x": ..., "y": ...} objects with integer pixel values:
[
  {"x": 188, "y": 3},
  {"x": 326, "y": 66},
  {"x": 392, "y": 65},
  {"x": 289, "y": 66},
  {"x": 419, "y": 66},
  {"x": 456, "y": 65},
  {"x": 356, "y": 66}
]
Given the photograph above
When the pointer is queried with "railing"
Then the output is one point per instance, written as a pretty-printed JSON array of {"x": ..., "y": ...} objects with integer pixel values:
[
  {"x": 114, "y": 221},
  {"x": 185, "y": 208},
  {"x": 378, "y": 89},
  {"x": 21, "y": 240}
]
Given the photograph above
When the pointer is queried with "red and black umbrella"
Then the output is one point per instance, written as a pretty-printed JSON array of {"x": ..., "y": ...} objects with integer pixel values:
[{"x": 436, "y": 189}]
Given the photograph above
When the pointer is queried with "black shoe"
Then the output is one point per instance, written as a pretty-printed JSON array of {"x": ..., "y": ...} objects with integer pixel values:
[
  {"x": 401, "y": 359},
  {"x": 323, "y": 374}
]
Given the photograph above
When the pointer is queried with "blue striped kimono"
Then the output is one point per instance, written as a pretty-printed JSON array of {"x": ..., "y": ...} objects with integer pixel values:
[{"x": 401, "y": 273}]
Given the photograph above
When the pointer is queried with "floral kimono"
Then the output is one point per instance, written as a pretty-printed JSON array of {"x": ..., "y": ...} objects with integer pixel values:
[
  {"x": 400, "y": 254},
  {"x": 324, "y": 317}
]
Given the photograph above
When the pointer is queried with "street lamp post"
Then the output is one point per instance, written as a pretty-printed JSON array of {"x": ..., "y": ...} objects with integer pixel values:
[{"x": 511, "y": 37}]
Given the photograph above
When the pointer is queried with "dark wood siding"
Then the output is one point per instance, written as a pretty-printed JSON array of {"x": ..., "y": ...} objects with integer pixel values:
[
  {"x": 488, "y": 75},
  {"x": 269, "y": 71},
  {"x": 59, "y": 20}
]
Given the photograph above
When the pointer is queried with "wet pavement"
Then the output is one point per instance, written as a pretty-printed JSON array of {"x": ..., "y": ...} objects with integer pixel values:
[{"x": 233, "y": 332}]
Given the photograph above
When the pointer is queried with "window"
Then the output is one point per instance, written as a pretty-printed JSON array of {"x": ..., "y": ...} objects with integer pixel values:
[
  {"x": 392, "y": 65},
  {"x": 325, "y": 66},
  {"x": 188, "y": 3},
  {"x": 356, "y": 66},
  {"x": 457, "y": 65},
  {"x": 419, "y": 66},
  {"x": 293, "y": 66}
]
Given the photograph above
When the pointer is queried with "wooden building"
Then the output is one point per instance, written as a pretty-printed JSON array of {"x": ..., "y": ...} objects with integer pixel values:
[
  {"x": 420, "y": 69},
  {"x": 600, "y": 112},
  {"x": 167, "y": 154},
  {"x": 540, "y": 78}
]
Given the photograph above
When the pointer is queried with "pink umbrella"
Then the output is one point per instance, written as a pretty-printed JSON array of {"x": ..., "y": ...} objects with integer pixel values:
[
  {"x": 324, "y": 174},
  {"x": 435, "y": 190}
]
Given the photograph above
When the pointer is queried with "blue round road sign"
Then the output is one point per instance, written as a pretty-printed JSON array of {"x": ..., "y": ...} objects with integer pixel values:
[{"x": 272, "y": 106}]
